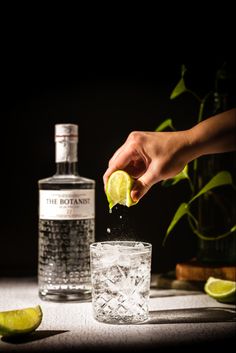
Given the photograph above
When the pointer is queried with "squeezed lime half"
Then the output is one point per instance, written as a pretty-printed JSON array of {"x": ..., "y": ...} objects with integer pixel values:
[{"x": 118, "y": 189}]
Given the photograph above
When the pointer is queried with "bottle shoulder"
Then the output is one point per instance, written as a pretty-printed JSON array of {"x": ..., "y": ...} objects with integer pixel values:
[{"x": 67, "y": 181}]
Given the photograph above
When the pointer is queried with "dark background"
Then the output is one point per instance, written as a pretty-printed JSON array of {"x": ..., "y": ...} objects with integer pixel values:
[{"x": 108, "y": 101}]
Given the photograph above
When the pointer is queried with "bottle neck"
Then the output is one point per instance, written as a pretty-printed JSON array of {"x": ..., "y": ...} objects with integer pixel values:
[
  {"x": 66, "y": 158},
  {"x": 67, "y": 168}
]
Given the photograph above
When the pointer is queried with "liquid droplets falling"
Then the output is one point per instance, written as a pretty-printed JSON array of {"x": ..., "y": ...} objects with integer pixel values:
[{"x": 120, "y": 224}]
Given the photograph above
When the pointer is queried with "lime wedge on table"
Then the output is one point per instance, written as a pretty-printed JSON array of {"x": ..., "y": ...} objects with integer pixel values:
[
  {"x": 222, "y": 290},
  {"x": 21, "y": 321},
  {"x": 118, "y": 189}
]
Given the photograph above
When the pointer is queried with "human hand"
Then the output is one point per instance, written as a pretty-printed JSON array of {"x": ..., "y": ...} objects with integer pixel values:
[{"x": 150, "y": 157}]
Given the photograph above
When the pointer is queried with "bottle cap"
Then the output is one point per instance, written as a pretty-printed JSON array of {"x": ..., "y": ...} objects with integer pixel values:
[
  {"x": 66, "y": 138},
  {"x": 68, "y": 132}
]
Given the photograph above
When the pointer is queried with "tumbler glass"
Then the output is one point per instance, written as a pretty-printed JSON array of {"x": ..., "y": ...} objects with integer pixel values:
[{"x": 120, "y": 273}]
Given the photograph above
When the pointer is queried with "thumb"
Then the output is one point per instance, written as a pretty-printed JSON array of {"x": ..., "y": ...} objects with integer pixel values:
[{"x": 142, "y": 185}]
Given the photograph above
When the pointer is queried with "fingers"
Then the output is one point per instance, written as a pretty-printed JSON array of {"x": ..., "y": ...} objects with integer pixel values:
[
  {"x": 120, "y": 160},
  {"x": 143, "y": 184},
  {"x": 116, "y": 154}
]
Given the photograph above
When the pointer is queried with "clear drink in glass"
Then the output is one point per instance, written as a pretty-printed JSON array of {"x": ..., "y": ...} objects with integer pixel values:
[{"x": 120, "y": 273}]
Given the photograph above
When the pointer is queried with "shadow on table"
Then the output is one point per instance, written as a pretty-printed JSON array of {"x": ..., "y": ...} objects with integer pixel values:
[
  {"x": 199, "y": 315},
  {"x": 160, "y": 293},
  {"x": 34, "y": 336}
]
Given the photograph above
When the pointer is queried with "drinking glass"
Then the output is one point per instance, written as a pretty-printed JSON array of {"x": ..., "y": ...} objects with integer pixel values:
[{"x": 120, "y": 274}]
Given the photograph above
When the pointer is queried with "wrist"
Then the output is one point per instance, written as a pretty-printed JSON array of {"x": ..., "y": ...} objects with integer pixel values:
[{"x": 192, "y": 145}]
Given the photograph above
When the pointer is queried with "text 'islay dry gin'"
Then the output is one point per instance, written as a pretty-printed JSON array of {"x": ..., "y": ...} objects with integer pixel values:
[{"x": 66, "y": 224}]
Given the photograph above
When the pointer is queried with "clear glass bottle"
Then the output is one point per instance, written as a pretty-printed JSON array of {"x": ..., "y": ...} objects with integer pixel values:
[{"x": 66, "y": 224}]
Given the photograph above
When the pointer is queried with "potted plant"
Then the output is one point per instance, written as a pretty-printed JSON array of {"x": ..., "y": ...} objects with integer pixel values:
[{"x": 211, "y": 186}]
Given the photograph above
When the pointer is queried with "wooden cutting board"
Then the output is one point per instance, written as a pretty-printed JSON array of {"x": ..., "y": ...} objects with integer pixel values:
[{"x": 193, "y": 271}]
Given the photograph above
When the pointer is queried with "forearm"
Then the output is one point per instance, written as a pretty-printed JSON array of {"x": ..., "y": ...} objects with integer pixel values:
[{"x": 214, "y": 135}]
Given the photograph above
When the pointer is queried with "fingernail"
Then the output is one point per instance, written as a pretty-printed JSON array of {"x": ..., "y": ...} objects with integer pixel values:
[{"x": 134, "y": 195}]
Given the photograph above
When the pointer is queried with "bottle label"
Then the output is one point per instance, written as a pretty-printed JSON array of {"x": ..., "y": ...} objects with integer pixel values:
[{"x": 66, "y": 204}]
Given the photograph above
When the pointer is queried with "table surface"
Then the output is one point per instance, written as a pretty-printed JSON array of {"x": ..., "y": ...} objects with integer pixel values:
[{"x": 178, "y": 318}]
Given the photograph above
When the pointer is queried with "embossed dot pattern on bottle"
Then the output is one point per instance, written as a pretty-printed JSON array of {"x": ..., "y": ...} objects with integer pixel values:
[{"x": 64, "y": 253}]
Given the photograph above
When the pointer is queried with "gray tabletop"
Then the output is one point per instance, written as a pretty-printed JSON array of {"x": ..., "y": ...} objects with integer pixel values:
[{"x": 178, "y": 318}]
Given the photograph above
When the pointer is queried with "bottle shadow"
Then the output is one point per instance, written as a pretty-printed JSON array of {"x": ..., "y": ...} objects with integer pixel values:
[
  {"x": 199, "y": 315},
  {"x": 30, "y": 337}
]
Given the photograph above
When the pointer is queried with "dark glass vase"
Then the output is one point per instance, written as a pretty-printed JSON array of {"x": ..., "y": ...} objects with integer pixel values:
[
  {"x": 217, "y": 213},
  {"x": 217, "y": 208}
]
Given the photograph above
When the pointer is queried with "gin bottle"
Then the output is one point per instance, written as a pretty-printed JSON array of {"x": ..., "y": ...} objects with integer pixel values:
[{"x": 66, "y": 224}]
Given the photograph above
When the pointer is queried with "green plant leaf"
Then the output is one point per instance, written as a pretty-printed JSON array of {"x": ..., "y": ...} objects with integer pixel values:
[
  {"x": 183, "y": 70},
  {"x": 172, "y": 181},
  {"x": 220, "y": 179},
  {"x": 214, "y": 237},
  {"x": 164, "y": 125},
  {"x": 181, "y": 211},
  {"x": 180, "y": 87}
]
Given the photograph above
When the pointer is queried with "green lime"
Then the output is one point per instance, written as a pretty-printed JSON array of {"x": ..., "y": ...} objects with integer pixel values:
[
  {"x": 221, "y": 290},
  {"x": 118, "y": 189},
  {"x": 21, "y": 321}
]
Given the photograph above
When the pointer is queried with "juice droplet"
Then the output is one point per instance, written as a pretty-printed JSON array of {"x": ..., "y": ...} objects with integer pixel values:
[
  {"x": 121, "y": 217},
  {"x": 109, "y": 230}
]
